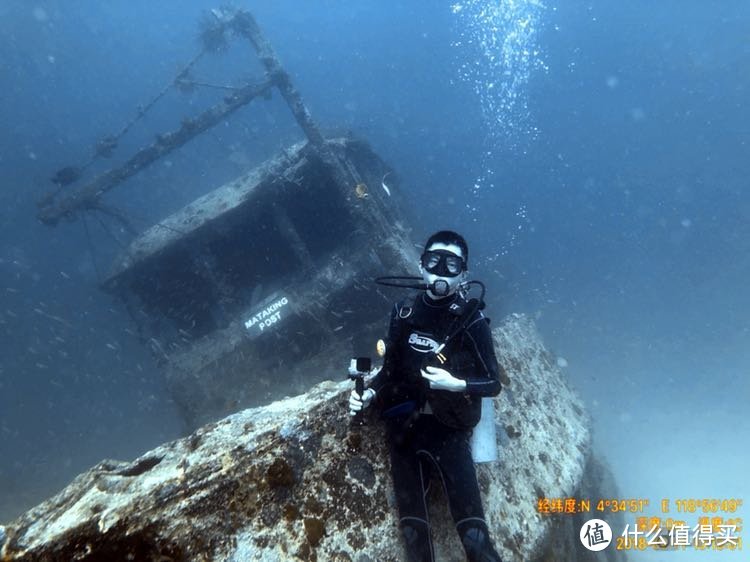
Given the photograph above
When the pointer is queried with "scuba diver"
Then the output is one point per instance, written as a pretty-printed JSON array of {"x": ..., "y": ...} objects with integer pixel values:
[{"x": 439, "y": 363}]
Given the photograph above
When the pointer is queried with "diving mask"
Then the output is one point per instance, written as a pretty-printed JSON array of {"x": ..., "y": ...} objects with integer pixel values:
[{"x": 443, "y": 263}]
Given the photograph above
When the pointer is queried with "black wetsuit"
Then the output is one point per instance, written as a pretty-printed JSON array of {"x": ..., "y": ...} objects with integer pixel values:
[{"x": 429, "y": 430}]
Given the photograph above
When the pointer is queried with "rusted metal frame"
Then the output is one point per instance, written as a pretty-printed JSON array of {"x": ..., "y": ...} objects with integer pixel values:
[
  {"x": 87, "y": 197},
  {"x": 244, "y": 23}
]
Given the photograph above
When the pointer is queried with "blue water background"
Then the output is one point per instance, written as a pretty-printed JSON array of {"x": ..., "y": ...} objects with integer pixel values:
[{"x": 612, "y": 204}]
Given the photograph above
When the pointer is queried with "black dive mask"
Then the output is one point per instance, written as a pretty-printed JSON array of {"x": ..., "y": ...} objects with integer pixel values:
[{"x": 443, "y": 263}]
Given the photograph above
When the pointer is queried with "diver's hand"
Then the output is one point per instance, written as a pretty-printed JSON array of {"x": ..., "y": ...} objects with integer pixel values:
[
  {"x": 358, "y": 403},
  {"x": 440, "y": 379}
]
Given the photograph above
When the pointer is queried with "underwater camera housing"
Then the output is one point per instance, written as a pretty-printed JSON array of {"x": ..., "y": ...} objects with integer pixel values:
[{"x": 358, "y": 367}]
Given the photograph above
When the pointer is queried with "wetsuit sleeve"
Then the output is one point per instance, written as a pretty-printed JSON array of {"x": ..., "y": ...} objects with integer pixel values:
[
  {"x": 487, "y": 381},
  {"x": 391, "y": 359}
]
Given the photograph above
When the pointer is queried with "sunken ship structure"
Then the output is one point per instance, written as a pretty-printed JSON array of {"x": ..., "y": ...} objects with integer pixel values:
[{"x": 263, "y": 286}]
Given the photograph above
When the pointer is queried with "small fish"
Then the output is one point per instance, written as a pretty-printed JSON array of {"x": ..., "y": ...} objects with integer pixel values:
[
  {"x": 337, "y": 328},
  {"x": 112, "y": 347},
  {"x": 361, "y": 190},
  {"x": 385, "y": 187}
]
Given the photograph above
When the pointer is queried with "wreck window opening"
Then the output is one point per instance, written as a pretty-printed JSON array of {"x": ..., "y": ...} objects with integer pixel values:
[
  {"x": 319, "y": 214},
  {"x": 178, "y": 293},
  {"x": 251, "y": 259}
]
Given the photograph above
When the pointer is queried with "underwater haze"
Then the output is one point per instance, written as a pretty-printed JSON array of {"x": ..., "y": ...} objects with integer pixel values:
[{"x": 596, "y": 155}]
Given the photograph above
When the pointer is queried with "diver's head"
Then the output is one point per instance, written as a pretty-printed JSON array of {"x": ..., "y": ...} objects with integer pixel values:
[{"x": 443, "y": 263}]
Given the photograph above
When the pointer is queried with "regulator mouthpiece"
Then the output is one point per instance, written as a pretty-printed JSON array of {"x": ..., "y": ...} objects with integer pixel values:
[{"x": 440, "y": 288}]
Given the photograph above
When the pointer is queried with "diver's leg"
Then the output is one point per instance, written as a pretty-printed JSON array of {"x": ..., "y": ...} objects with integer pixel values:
[
  {"x": 460, "y": 481},
  {"x": 410, "y": 487}
]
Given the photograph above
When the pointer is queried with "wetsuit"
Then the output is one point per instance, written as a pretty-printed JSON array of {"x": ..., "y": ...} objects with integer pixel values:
[{"x": 429, "y": 430}]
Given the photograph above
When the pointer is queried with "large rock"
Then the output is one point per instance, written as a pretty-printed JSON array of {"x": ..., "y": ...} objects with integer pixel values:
[{"x": 292, "y": 480}]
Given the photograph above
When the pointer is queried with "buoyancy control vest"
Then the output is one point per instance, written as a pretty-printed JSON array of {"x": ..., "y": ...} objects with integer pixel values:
[{"x": 418, "y": 329}]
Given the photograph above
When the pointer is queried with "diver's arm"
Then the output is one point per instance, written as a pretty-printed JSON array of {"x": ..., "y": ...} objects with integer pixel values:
[{"x": 487, "y": 380}]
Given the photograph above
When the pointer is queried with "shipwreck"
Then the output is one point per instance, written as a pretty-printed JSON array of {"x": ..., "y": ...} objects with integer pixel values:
[{"x": 263, "y": 286}]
